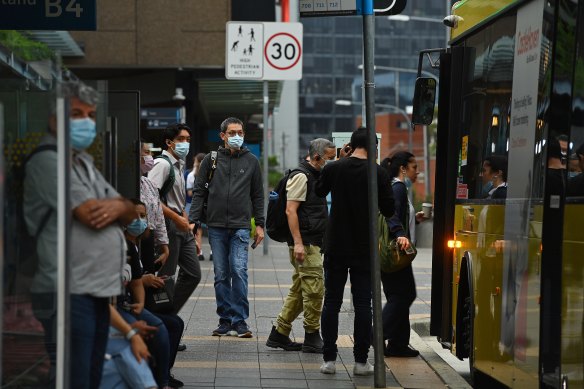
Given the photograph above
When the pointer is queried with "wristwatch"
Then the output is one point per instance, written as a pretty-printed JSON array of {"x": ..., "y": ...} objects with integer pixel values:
[{"x": 131, "y": 333}]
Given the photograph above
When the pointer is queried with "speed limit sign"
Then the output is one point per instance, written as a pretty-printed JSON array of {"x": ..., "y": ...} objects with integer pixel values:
[
  {"x": 263, "y": 51},
  {"x": 282, "y": 51}
]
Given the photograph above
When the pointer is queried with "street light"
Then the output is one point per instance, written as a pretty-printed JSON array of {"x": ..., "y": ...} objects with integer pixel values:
[
  {"x": 400, "y": 70},
  {"x": 408, "y": 18},
  {"x": 348, "y": 103}
]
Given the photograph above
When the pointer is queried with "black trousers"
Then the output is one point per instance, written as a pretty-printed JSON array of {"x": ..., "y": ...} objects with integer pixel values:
[{"x": 400, "y": 292}]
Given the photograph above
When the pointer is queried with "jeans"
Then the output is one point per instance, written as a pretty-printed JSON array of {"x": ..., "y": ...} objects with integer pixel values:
[
  {"x": 305, "y": 294},
  {"x": 230, "y": 249},
  {"x": 400, "y": 291},
  {"x": 160, "y": 346},
  {"x": 183, "y": 253},
  {"x": 335, "y": 278},
  {"x": 121, "y": 370},
  {"x": 90, "y": 317}
]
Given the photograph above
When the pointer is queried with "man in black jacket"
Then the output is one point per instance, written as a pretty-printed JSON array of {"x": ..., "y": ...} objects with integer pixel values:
[
  {"x": 307, "y": 218},
  {"x": 346, "y": 249},
  {"x": 234, "y": 194}
]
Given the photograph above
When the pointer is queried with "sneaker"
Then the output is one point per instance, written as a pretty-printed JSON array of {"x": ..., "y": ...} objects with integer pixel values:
[
  {"x": 224, "y": 329},
  {"x": 401, "y": 352},
  {"x": 328, "y": 367},
  {"x": 241, "y": 330},
  {"x": 201, "y": 257},
  {"x": 211, "y": 257},
  {"x": 181, "y": 347},
  {"x": 277, "y": 340},
  {"x": 363, "y": 368},
  {"x": 174, "y": 383}
]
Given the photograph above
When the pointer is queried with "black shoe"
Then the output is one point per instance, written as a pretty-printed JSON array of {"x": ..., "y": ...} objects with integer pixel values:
[
  {"x": 181, "y": 347},
  {"x": 201, "y": 257},
  {"x": 401, "y": 352},
  {"x": 174, "y": 383},
  {"x": 312, "y": 343},
  {"x": 211, "y": 257},
  {"x": 277, "y": 340}
]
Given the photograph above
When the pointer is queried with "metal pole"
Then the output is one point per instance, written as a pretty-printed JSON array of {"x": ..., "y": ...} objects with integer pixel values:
[
  {"x": 265, "y": 157},
  {"x": 369, "y": 87}
]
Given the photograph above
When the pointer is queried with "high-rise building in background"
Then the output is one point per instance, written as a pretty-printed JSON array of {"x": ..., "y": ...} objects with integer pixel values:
[{"x": 333, "y": 53}]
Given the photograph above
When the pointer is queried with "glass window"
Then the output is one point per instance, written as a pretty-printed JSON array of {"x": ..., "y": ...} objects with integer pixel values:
[{"x": 486, "y": 106}]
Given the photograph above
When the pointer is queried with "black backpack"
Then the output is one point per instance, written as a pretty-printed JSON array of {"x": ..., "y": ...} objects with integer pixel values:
[
  {"x": 26, "y": 244},
  {"x": 168, "y": 184},
  {"x": 276, "y": 220}
]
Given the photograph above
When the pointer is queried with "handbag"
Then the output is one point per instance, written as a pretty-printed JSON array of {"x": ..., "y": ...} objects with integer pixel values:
[
  {"x": 161, "y": 300},
  {"x": 391, "y": 257}
]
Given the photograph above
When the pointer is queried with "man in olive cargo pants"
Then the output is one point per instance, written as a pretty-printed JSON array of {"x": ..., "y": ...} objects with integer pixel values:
[{"x": 307, "y": 218}]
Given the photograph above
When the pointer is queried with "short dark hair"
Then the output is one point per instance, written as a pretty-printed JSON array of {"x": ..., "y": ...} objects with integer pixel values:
[
  {"x": 498, "y": 163},
  {"x": 172, "y": 132},
  {"x": 398, "y": 160},
  {"x": 359, "y": 139},
  {"x": 228, "y": 121}
]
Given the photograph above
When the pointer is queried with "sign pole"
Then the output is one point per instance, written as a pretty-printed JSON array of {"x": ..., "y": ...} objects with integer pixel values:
[
  {"x": 265, "y": 160},
  {"x": 369, "y": 87}
]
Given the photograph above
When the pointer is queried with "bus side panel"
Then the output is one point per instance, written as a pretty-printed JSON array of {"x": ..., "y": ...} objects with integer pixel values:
[{"x": 573, "y": 296}]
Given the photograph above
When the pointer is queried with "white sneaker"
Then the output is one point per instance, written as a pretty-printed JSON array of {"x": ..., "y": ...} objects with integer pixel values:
[
  {"x": 362, "y": 368},
  {"x": 328, "y": 367}
]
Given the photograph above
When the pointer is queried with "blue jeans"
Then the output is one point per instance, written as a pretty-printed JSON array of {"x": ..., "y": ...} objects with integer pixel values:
[
  {"x": 90, "y": 317},
  {"x": 160, "y": 346},
  {"x": 335, "y": 278},
  {"x": 230, "y": 249}
]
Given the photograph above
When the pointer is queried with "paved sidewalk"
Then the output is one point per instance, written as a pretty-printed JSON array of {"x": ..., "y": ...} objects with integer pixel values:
[{"x": 224, "y": 362}]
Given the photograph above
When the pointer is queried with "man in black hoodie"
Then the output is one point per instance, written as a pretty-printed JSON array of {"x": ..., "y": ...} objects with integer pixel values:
[
  {"x": 307, "y": 218},
  {"x": 234, "y": 194},
  {"x": 346, "y": 249}
]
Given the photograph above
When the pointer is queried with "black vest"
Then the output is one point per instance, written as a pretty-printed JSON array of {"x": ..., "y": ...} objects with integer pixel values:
[{"x": 312, "y": 213}]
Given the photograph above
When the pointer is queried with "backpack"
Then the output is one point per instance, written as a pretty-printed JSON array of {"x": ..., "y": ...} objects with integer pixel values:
[
  {"x": 169, "y": 183},
  {"x": 276, "y": 220},
  {"x": 26, "y": 243}
]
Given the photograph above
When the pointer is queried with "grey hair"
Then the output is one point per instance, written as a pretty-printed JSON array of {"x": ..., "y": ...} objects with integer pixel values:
[
  {"x": 77, "y": 89},
  {"x": 319, "y": 146},
  {"x": 229, "y": 121}
]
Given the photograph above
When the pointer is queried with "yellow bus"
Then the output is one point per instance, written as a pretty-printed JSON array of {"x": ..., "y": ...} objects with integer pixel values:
[{"x": 508, "y": 270}]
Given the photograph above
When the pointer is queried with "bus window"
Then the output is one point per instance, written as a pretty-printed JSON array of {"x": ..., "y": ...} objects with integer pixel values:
[{"x": 486, "y": 107}]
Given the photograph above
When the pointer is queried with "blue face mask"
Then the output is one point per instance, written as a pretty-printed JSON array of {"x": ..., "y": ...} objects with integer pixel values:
[
  {"x": 182, "y": 149},
  {"x": 235, "y": 141},
  {"x": 82, "y": 133},
  {"x": 573, "y": 174},
  {"x": 137, "y": 227},
  {"x": 408, "y": 183}
]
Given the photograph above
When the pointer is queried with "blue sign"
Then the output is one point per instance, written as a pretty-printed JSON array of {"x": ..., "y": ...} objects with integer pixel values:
[
  {"x": 68, "y": 15},
  {"x": 157, "y": 118}
]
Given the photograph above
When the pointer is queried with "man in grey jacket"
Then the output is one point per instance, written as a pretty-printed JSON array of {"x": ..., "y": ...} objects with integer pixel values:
[{"x": 234, "y": 194}]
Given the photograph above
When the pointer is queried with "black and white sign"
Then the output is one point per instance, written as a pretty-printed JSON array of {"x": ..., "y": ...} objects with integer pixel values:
[
  {"x": 263, "y": 51},
  {"x": 244, "y": 51}
]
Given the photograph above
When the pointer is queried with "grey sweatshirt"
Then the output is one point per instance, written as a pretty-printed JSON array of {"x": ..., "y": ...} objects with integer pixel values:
[{"x": 235, "y": 193}]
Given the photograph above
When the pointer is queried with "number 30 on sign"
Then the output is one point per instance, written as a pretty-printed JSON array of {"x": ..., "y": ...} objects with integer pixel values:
[{"x": 283, "y": 51}]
